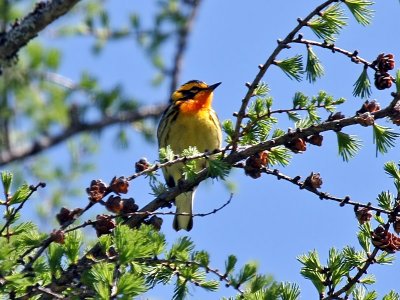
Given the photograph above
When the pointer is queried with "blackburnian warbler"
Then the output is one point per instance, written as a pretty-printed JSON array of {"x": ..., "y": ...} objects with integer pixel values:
[{"x": 188, "y": 121}]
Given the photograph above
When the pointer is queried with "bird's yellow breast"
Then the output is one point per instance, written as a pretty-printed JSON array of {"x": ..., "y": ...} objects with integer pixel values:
[{"x": 200, "y": 129}]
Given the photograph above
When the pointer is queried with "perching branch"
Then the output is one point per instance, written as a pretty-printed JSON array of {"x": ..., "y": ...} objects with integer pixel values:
[
  {"x": 236, "y": 156},
  {"x": 44, "y": 13}
]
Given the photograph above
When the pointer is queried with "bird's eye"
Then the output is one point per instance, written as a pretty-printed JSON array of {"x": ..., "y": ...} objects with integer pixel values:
[{"x": 194, "y": 90}]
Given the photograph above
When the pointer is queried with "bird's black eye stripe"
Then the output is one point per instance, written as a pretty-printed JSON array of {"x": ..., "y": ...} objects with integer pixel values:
[{"x": 188, "y": 95}]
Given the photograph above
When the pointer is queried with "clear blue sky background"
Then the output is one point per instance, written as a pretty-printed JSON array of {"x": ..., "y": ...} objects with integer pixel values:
[{"x": 268, "y": 221}]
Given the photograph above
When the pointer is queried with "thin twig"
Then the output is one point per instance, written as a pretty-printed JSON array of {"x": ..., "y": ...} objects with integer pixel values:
[
  {"x": 48, "y": 292},
  {"x": 152, "y": 213},
  {"x": 356, "y": 278},
  {"x": 46, "y": 243},
  {"x": 322, "y": 195},
  {"x": 263, "y": 69},
  {"x": 182, "y": 44},
  {"x": 11, "y": 217},
  {"x": 183, "y": 159},
  {"x": 352, "y": 55},
  {"x": 172, "y": 263}
]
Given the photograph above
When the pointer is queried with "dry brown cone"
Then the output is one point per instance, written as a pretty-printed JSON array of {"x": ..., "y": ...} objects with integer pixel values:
[
  {"x": 104, "y": 224},
  {"x": 254, "y": 164},
  {"x": 114, "y": 204},
  {"x": 58, "y": 236},
  {"x": 142, "y": 165},
  {"x": 315, "y": 139},
  {"x": 97, "y": 190},
  {"x": 313, "y": 181},
  {"x": 119, "y": 185},
  {"x": 297, "y": 145},
  {"x": 363, "y": 215},
  {"x": 385, "y": 240}
]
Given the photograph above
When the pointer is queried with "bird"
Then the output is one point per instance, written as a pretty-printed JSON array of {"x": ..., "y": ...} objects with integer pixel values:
[{"x": 189, "y": 120}]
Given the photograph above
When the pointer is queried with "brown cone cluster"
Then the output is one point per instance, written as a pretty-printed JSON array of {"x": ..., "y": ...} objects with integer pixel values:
[
  {"x": 104, "y": 224},
  {"x": 254, "y": 164},
  {"x": 369, "y": 106},
  {"x": 366, "y": 119},
  {"x": 117, "y": 205},
  {"x": 119, "y": 185},
  {"x": 315, "y": 139},
  {"x": 297, "y": 145},
  {"x": 363, "y": 215},
  {"x": 97, "y": 190},
  {"x": 384, "y": 64},
  {"x": 58, "y": 236},
  {"x": 142, "y": 165},
  {"x": 313, "y": 181},
  {"x": 385, "y": 240},
  {"x": 65, "y": 215}
]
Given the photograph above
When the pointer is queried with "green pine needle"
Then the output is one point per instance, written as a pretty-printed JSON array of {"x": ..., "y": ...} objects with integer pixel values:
[
  {"x": 384, "y": 138},
  {"x": 166, "y": 154},
  {"x": 392, "y": 294},
  {"x": 304, "y": 123},
  {"x": 247, "y": 272},
  {"x": 72, "y": 245},
  {"x": 398, "y": 81},
  {"x": 228, "y": 128},
  {"x": 289, "y": 291},
  {"x": 300, "y": 100},
  {"x": 312, "y": 269},
  {"x": 279, "y": 156},
  {"x": 360, "y": 293},
  {"x": 293, "y": 116},
  {"x": 335, "y": 16},
  {"x": 364, "y": 236},
  {"x": 392, "y": 169},
  {"x": 230, "y": 264},
  {"x": 218, "y": 169},
  {"x": 385, "y": 200},
  {"x": 385, "y": 258},
  {"x": 21, "y": 194},
  {"x": 352, "y": 257},
  {"x": 6, "y": 179},
  {"x": 262, "y": 89},
  {"x": 314, "y": 69},
  {"x": 329, "y": 23},
  {"x": 190, "y": 167},
  {"x": 362, "y": 87},
  {"x": 293, "y": 67},
  {"x": 348, "y": 145},
  {"x": 360, "y": 10}
]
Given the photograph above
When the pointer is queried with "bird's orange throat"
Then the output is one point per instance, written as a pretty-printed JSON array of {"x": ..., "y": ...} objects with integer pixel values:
[{"x": 192, "y": 106}]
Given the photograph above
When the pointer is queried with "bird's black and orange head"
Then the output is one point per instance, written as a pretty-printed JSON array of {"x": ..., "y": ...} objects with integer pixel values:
[{"x": 194, "y": 95}]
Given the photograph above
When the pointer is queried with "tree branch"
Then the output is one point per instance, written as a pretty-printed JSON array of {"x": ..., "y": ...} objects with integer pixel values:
[
  {"x": 152, "y": 111},
  {"x": 352, "y": 55},
  {"x": 236, "y": 156},
  {"x": 263, "y": 68},
  {"x": 29, "y": 27},
  {"x": 181, "y": 45}
]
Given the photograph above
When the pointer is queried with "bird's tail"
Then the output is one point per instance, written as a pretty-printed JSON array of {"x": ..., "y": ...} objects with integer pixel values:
[{"x": 184, "y": 204}]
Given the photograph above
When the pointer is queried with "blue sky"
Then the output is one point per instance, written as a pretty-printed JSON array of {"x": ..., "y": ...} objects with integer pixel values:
[{"x": 268, "y": 221}]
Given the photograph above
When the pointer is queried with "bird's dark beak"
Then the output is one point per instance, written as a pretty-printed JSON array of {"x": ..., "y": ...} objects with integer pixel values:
[{"x": 214, "y": 86}]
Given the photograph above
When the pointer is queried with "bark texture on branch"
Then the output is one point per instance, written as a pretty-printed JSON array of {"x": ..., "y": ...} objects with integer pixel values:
[{"x": 21, "y": 32}]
